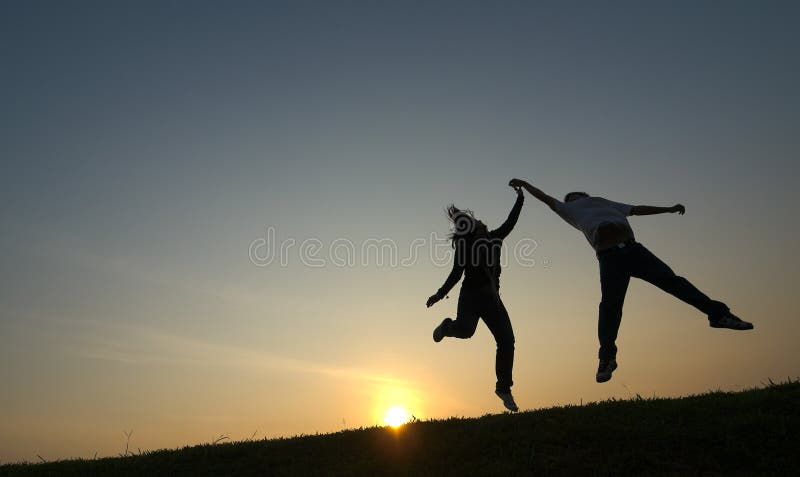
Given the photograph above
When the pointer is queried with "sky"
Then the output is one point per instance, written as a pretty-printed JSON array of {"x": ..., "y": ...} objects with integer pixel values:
[{"x": 153, "y": 151}]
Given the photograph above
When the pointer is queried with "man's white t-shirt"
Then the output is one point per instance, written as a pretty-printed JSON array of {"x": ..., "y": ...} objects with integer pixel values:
[{"x": 590, "y": 213}]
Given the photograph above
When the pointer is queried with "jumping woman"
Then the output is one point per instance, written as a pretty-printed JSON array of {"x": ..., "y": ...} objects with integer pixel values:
[{"x": 477, "y": 257}]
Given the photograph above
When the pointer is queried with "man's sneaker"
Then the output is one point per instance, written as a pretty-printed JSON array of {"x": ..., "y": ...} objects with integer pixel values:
[
  {"x": 508, "y": 400},
  {"x": 438, "y": 333},
  {"x": 604, "y": 370},
  {"x": 730, "y": 321}
]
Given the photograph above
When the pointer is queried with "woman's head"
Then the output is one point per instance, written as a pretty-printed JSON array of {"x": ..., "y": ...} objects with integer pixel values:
[
  {"x": 575, "y": 196},
  {"x": 465, "y": 225}
]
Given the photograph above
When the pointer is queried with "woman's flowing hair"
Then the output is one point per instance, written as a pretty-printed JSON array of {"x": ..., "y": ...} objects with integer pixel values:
[
  {"x": 463, "y": 222},
  {"x": 463, "y": 239}
]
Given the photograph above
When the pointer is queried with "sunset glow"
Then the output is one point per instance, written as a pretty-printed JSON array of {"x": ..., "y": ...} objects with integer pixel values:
[{"x": 396, "y": 416}]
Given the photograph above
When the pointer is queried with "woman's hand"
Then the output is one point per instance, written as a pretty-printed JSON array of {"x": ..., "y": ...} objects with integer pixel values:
[
  {"x": 678, "y": 208},
  {"x": 432, "y": 300}
]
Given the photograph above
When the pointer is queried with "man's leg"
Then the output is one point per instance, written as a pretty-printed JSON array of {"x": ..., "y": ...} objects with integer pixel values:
[
  {"x": 650, "y": 268},
  {"x": 496, "y": 318},
  {"x": 614, "y": 280}
]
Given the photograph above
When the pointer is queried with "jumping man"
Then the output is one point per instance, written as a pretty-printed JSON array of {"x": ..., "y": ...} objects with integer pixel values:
[{"x": 605, "y": 225}]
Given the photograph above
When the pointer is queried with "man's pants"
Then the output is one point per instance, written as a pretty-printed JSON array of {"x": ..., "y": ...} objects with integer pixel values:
[
  {"x": 474, "y": 303},
  {"x": 617, "y": 266}
]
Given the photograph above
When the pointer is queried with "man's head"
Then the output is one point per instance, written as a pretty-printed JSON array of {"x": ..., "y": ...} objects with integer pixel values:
[{"x": 575, "y": 196}]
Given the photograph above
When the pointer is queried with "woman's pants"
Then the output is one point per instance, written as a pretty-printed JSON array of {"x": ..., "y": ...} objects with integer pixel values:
[{"x": 475, "y": 303}]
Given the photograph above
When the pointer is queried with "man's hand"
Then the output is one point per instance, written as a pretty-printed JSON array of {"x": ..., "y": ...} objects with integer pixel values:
[
  {"x": 517, "y": 183},
  {"x": 652, "y": 210},
  {"x": 520, "y": 184},
  {"x": 518, "y": 189},
  {"x": 432, "y": 300}
]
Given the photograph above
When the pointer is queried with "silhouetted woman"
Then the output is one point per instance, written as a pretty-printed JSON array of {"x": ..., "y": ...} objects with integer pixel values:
[{"x": 477, "y": 257}]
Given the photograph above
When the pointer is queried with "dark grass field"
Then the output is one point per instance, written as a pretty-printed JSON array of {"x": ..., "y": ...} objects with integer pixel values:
[{"x": 755, "y": 432}]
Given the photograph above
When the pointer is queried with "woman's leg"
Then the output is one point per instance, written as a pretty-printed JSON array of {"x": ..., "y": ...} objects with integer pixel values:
[
  {"x": 466, "y": 317},
  {"x": 496, "y": 318}
]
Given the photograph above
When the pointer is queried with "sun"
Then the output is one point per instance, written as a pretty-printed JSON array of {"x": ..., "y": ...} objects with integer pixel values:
[{"x": 396, "y": 416}]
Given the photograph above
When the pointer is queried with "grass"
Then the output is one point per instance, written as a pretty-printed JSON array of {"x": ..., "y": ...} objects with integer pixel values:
[{"x": 754, "y": 432}]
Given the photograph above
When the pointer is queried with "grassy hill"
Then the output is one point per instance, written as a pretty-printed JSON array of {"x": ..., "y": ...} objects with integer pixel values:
[{"x": 755, "y": 432}]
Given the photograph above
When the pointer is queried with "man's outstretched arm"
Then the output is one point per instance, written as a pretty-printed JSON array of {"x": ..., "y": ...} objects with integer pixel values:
[
  {"x": 550, "y": 201},
  {"x": 653, "y": 210}
]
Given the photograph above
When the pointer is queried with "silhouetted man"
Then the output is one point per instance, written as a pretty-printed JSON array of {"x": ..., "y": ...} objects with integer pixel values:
[{"x": 605, "y": 225}]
